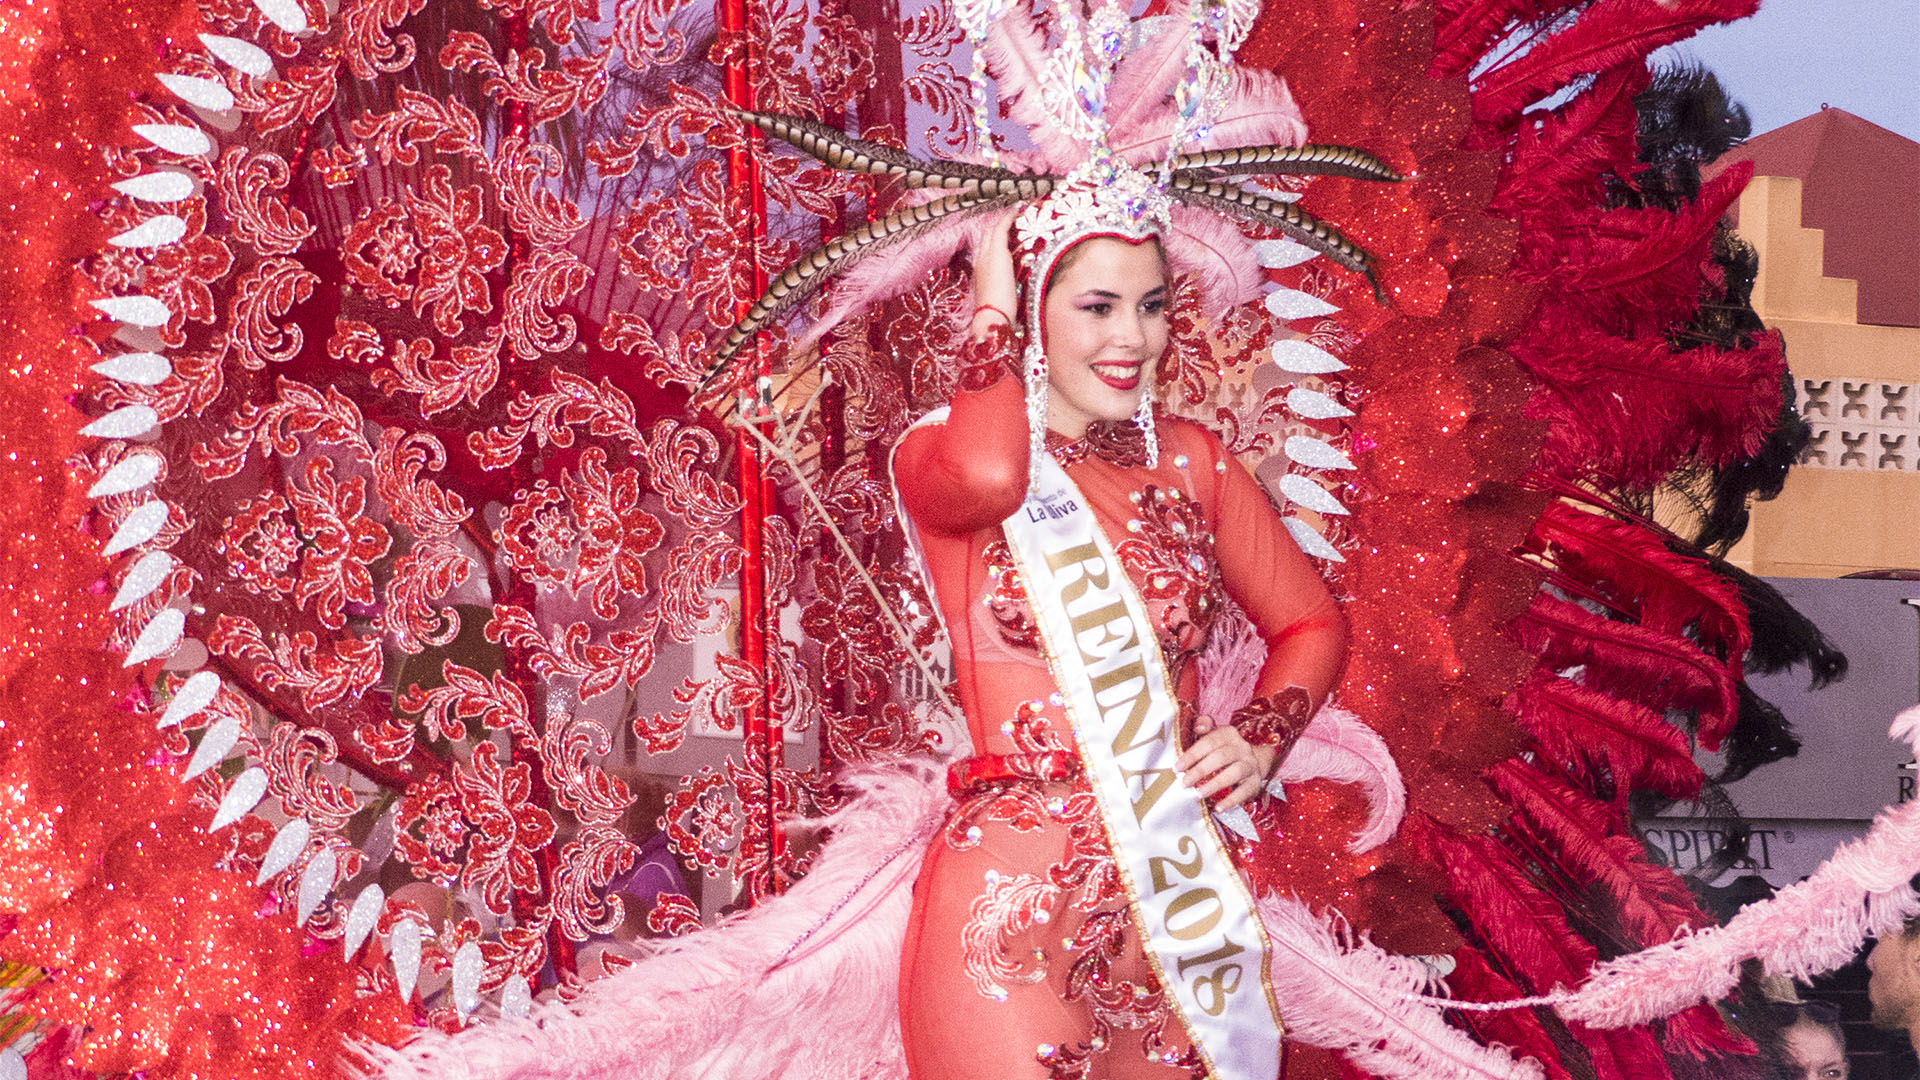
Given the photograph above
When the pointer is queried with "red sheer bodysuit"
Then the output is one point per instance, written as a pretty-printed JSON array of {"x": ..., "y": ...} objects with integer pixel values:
[{"x": 1022, "y": 959}]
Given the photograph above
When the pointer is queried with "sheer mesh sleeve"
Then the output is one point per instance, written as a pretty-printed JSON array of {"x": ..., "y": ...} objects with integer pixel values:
[
  {"x": 1278, "y": 587},
  {"x": 970, "y": 472}
]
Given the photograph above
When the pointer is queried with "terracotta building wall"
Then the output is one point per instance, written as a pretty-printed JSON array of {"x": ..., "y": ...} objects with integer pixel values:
[{"x": 1833, "y": 214}]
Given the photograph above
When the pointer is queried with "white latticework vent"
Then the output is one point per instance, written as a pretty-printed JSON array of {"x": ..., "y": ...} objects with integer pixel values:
[{"x": 1861, "y": 424}]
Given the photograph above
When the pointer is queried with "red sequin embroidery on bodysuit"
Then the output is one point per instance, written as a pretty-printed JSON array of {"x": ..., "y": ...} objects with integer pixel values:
[
  {"x": 1006, "y": 599},
  {"x": 1170, "y": 555},
  {"x": 1122, "y": 444},
  {"x": 1023, "y": 897},
  {"x": 989, "y": 359},
  {"x": 1087, "y": 880}
]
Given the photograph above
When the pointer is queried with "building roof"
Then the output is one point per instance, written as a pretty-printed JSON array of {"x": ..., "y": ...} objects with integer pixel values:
[{"x": 1861, "y": 185}]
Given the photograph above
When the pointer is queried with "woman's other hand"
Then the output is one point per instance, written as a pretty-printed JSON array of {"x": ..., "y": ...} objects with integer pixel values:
[
  {"x": 1221, "y": 760},
  {"x": 994, "y": 294}
]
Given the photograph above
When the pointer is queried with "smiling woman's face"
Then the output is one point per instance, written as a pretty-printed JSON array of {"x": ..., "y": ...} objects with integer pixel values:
[{"x": 1106, "y": 320}]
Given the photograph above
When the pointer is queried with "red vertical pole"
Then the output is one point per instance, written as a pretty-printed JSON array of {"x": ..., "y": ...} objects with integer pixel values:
[{"x": 760, "y": 728}]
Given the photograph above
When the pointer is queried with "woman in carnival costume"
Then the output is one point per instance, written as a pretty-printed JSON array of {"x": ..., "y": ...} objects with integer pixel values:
[{"x": 1078, "y": 585}]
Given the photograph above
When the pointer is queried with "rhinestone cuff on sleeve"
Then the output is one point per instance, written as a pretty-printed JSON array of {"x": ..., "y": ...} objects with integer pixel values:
[
  {"x": 1275, "y": 719},
  {"x": 989, "y": 359}
]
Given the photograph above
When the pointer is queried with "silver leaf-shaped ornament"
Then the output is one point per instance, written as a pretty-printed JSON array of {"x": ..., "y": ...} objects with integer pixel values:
[
  {"x": 125, "y": 422},
  {"x": 1292, "y": 354},
  {"x": 1311, "y": 541},
  {"x": 148, "y": 572},
  {"x": 194, "y": 695},
  {"x": 209, "y": 94},
  {"x": 287, "y": 845},
  {"x": 12, "y": 1065},
  {"x": 316, "y": 881},
  {"x": 157, "y": 231},
  {"x": 403, "y": 945},
  {"x": 1315, "y": 454},
  {"x": 284, "y": 14},
  {"x": 1304, "y": 492},
  {"x": 158, "y": 637},
  {"x": 1239, "y": 821},
  {"x": 1280, "y": 254},
  {"x": 215, "y": 745},
  {"x": 363, "y": 917},
  {"x": 183, "y": 139},
  {"x": 136, "y": 368},
  {"x": 163, "y": 186},
  {"x": 516, "y": 998},
  {"x": 142, "y": 524},
  {"x": 142, "y": 311},
  {"x": 242, "y": 56},
  {"x": 130, "y": 473},
  {"x": 1314, "y": 405},
  {"x": 467, "y": 969},
  {"x": 245, "y": 794},
  {"x": 1290, "y": 304}
]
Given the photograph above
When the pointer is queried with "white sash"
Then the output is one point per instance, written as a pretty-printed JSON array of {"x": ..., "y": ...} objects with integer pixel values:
[{"x": 1194, "y": 911}]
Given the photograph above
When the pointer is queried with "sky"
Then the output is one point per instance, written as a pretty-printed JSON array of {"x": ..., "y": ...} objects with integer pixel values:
[{"x": 1783, "y": 63}]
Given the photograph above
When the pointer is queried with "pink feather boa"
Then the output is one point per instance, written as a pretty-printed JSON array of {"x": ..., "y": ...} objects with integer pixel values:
[
  {"x": 1344, "y": 993},
  {"x": 738, "y": 1001}
]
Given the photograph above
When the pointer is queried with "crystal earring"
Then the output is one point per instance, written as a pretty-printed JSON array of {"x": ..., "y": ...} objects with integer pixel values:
[
  {"x": 1034, "y": 368},
  {"x": 1143, "y": 418}
]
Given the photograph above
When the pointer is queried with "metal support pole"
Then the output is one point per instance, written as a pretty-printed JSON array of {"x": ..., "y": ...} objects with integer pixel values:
[{"x": 760, "y": 727}]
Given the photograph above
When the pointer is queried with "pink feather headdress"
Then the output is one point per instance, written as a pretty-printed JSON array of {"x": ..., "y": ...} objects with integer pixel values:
[{"x": 1131, "y": 123}]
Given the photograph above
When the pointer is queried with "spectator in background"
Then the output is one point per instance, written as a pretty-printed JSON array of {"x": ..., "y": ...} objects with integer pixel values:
[
  {"x": 1893, "y": 984},
  {"x": 1811, "y": 1044}
]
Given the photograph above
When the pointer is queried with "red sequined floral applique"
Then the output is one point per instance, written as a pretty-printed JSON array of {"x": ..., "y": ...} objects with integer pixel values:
[
  {"x": 1275, "y": 719},
  {"x": 1121, "y": 443},
  {"x": 508, "y": 827},
  {"x": 1170, "y": 554},
  {"x": 1006, "y": 599},
  {"x": 987, "y": 360},
  {"x": 1017, "y": 801},
  {"x": 1096, "y": 922},
  {"x": 1012, "y": 906},
  {"x": 593, "y": 520},
  {"x": 261, "y": 546}
]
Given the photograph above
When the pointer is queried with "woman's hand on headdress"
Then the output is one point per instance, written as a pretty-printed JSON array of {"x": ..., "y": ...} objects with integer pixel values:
[
  {"x": 994, "y": 293},
  {"x": 1221, "y": 761}
]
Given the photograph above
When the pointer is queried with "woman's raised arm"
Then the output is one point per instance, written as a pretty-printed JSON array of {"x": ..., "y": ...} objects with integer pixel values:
[{"x": 970, "y": 472}]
